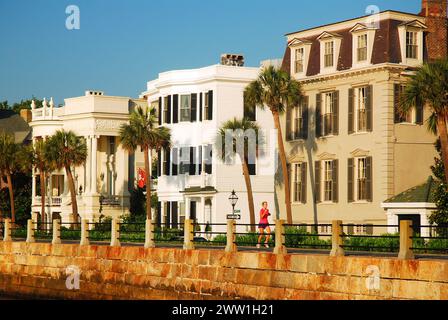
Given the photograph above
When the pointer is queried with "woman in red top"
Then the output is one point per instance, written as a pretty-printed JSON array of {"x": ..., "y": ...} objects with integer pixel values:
[{"x": 264, "y": 226}]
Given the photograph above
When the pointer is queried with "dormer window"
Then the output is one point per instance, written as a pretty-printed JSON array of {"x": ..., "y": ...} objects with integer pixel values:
[
  {"x": 411, "y": 42},
  {"x": 300, "y": 55},
  {"x": 362, "y": 48},
  {"x": 411, "y": 45},
  {"x": 329, "y": 54}
]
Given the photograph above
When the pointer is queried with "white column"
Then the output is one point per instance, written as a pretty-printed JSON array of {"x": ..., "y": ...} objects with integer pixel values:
[
  {"x": 203, "y": 217},
  {"x": 94, "y": 168},
  {"x": 162, "y": 213},
  {"x": 187, "y": 208},
  {"x": 88, "y": 186}
]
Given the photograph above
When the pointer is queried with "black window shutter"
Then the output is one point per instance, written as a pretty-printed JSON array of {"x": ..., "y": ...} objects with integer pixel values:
[
  {"x": 419, "y": 115},
  {"x": 210, "y": 105},
  {"x": 169, "y": 110},
  {"x": 208, "y": 158},
  {"x": 335, "y": 181},
  {"x": 317, "y": 177},
  {"x": 305, "y": 113},
  {"x": 192, "y": 170},
  {"x": 336, "y": 113},
  {"x": 351, "y": 111},
  {"x": 168, "y": 215},
  {"x": 201, "y": 106},
  {"x": 167, "y": 161},
  {"x": 176, "y": 108},
  {"x": 318, "y": 115},
  {"x": 175, "y": 162},
  {"x": 369, "y": 182},
  {"x": 351, "y": 182},
  {"x": 159, "y": 163},
  {"x": 175, "y": 214},
  {"x": 194, "y": 107},
  {"x": 397, "y": 115},
  {"x": 160, "y": 110},
  {"x": 289, "y": 133},
  {"x": 200, "y": 160},
  {"x": 304, "y": 182},
  {"x": 369, "y": 108}
]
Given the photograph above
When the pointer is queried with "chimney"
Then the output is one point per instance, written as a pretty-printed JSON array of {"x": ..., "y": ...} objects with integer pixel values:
[
  {"x": 26, "y": 115},
  {"x": 236, "y": 60},
  {"x": 436, "y": 12}
]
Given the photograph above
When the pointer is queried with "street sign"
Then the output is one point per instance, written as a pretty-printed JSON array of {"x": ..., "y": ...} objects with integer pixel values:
[{"x": 234, "y": 217}]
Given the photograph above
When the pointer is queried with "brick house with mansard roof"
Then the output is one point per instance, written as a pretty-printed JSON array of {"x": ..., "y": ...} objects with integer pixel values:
[{"x": 348, "y": 148}]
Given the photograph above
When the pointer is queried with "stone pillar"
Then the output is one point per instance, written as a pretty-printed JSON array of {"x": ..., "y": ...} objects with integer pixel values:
[
  {"x": 94, "y": 168},
  {"x": 56, "y": 232},
  {"x": 188, "y": 235},
  {"x": 231, "y": 236},
  {"x": 406, "y": 233},
  {"x": 187, "y": 208},
  {"x": 149, "y": 234},
  {"x": 30, "y": 238},
  {"x": 280, "y": 237},
  {"x": 88, "y": 186},
  {"x": 85, "y": 233},
  {"x": 115, "y": 241},
  {"x": 7, "y": 234},
  {"x": 337, "y": 240}
]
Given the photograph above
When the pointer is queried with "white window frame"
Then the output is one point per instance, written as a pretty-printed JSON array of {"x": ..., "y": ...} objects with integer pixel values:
[
  {"x": 358, "y": 105},
  {"x": 412, "y": 113},
  {"x": 329, "y": 52},
  {"x": 357, "y": 176},
  {"x": 297, "y": 51},
  {"x": 357, "y": 31},
  {"x": 417, "y": 27},
  {"x": 412, "y": 44},
  {"x": 325, "y": 38},
  {"x": 296, "y": 187},
  {"x": 181, "y": 109},
  {"x": 297, "y": 121},
  {"x": 327, "y": 181},
  {"x": 327, "y": 111},
  {"x": 297, "y": 44}
]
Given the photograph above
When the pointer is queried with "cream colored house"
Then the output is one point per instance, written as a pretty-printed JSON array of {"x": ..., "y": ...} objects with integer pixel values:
[
  {"x": 103, "y": 183},
  {"x": 348, "y": 148}
]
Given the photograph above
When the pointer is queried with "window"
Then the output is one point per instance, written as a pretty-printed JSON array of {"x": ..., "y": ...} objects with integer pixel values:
[
  {"x": 362, "y": 47},
  {"x": 297, "y": 183},
  {"x": 414, "y": 116},
  {"x": 329, "y": 54},
  {"x": 185, "y": 108},
  {"x": 166, "y": 110},
  {"x": 328, "y": 181},
  {"x": 411, "y": 45},
  {"x": 328, "y": 113},
  {"x": 300, "y": 54},
  {"x": 361, "y": 109},
  {"x": 362, "y": 179},
  {"x": 208, "y": 106},
  {"x": 250, "y": 110},
  {"x": 298, "y": 121}
]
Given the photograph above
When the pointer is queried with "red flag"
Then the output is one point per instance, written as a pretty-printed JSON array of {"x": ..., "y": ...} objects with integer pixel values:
[{"x": 141, "y": 178}]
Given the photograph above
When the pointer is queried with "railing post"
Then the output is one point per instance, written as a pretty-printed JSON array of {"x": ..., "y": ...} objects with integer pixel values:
[
  {"x": 188, "y": 235},
  {"x": 30, "y": 236},
  {"x": 231, "y": 236},
  {"x": 149, "y": 234},
  {"x": 85, "y": 233},
  {"x": 337, "y": 240},
  {"x": 280, "y": 237},
  {"x": 115, "y": 241},
  {"x": 56, "y": 232},
  {"x": 406, "y": 233},
  {"x": 7, "y": 235}
]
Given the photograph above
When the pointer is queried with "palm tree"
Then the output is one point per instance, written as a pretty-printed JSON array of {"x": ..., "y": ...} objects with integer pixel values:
[
  {"x": 34, "y": 158},
  {"x": 143, "y": 131},
  {"x": 66, "y": 150},
  {"x": 278, "y": 91},
  {"x": 9, "y": 151},
  {"x": 429, "y": 86},
  {"x": 241, "y": 133}
]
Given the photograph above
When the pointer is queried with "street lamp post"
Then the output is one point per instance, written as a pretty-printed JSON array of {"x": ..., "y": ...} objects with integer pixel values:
[{"x": 233, "y": 201}]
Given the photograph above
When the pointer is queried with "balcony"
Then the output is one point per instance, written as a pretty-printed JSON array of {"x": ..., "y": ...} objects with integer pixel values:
[{"x": 52, "y": 202}]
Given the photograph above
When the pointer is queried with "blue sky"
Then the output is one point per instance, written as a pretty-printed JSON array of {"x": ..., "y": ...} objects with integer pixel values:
[{"x": 123, "y": 44}]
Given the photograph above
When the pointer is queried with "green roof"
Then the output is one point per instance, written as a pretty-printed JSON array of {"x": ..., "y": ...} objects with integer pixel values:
[
  {"x": 420, "y": 194},
  {"x": 199, "y": 190}
]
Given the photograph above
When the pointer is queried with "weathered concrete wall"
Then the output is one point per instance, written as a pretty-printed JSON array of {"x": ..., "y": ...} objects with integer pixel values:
[{"x": 39, "y": 270}]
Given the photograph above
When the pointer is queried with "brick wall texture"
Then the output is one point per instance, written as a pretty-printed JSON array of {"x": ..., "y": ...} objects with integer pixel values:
[{"x": 39, "y": 271}]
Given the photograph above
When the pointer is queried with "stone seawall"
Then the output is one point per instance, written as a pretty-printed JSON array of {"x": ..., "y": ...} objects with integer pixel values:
[{"x": 39, "y": 270}]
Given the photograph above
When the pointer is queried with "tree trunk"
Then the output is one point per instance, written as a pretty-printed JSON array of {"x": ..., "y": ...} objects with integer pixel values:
[
  {"x": 43, "y": 197},
  {"x": 71, "y": 186},
  {"x": 148, "y": 185},
  {"x": 441, "y": 128},
  {"x": 250, "y": 196},
  {"x": 11, "y": 198},
  {"x": 281, "y": 150}
]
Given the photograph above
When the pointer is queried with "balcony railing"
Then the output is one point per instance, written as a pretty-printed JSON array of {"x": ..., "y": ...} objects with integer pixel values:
[{"x": 53, "y": 201}]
